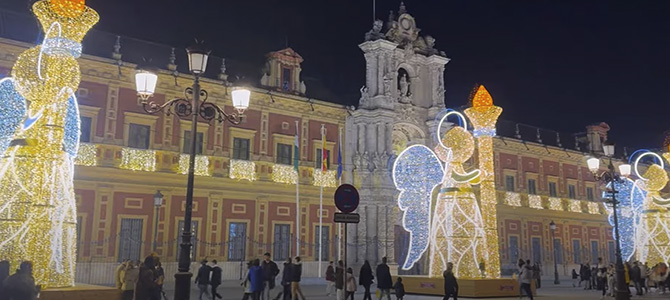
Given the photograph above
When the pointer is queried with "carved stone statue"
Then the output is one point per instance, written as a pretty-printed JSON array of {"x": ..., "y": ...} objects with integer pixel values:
[
  {"x": 358, "y": 160},
  {"x": 365, "y": 97},
  {"x": 303, "y": 87},
  {"x": 265, "y": 80},
  {"x": 404, "y": 86},
  {"x": 375, "y": 33},
  {"x": 388, "y": 79}
]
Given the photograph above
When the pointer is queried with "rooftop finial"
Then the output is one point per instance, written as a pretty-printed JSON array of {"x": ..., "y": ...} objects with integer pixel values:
[
  {"x": 222, "y": 74},
  {"x": 117, "y": 48},
  {"x": 402, "y": 8},
  {"x": 171, "y": 61}
]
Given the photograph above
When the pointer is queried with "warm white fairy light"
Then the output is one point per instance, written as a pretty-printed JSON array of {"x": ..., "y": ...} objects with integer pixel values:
[
  {"x": 201, "y": 165},
  {"x": 284, "y": 174},
  {"x": 535, "y": 201},
  {"x": 242, "y": 170},
  {"x": 594, "y": 208},
  {"x": 325, "y": 179},
  {"x": 87, "y": 155},
  {"x": 555, "y": 203},
  {"x": 138, "y": 159},
  {"x": 512, "y": 199},
  {"x": 575, "y": 205}
]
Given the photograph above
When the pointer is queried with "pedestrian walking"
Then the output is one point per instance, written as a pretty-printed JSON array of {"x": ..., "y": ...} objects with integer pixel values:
[
  {"x": 450, "y": 283},
  {"x": 21, "y": 285},
  {"x": 296, "y": 274},
  {"x": 575, "y": 278},
  {"x": 246, "y": 283},
  {"x": 602, "y": 279},
  {"x": 270, "y": 272},
  {"x": 330, "y": 279},
  {"x": 202, "y": 279},
  {"x": 399, "y": 289},
  {"x": 215, "y": 279},
  {"x": 525, "y": 278},
  {"x": 160, "y": 278},
  {"x": 636, "y": 278},
  {"x": 644, "y": 275},
  {"x": 256, "y": 279},
  {"x": 351, "y": 284},
  {"x": 385, "y": 282},
  {"x": 286, "y": 280},
  {"x": 146, "y": 284},
  {"x": 365, "y": 278},
  {"x": 537, "y": 275},
  {"x": 339, "y": 279},
  {"x": 610, "y": 280},
  {"x": 118, "y": 277},
  {"x": 131, "y": 274},
  {"x": 586, "y": 276}
]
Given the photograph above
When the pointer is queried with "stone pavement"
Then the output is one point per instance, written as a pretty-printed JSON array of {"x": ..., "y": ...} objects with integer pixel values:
[{"x": 314, "y": 289}]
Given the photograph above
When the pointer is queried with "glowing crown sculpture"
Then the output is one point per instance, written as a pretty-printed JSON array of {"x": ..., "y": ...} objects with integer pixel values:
[{"x": 38, "y": 144}]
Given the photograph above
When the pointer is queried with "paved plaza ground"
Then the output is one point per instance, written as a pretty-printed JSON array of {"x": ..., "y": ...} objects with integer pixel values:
[{"x": 314, "y": 289}]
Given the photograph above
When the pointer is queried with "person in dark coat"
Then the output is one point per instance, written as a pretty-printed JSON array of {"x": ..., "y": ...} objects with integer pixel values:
[
  {"x": 385, "y": 282},
  {"x": 365, "y": 278},
  {"x": 4, "y": 273},
  {"x": 215, "y": 279},
  {"x": 450, "y": 283},
  {"x": 296, "y": 275},
  {"x": 21, "y": 285},
  {"x": 147, "y": 284},
  {"x": 286, "y": 281},
  {"x": 270, "y": 272},
  {"x": 399, "y": 289},
  {"x": 330, "y": 279},
  {"x": 635, "y": 277},
  {"x": 339, "y": 279},
  {"x": 202, "y": 279}
]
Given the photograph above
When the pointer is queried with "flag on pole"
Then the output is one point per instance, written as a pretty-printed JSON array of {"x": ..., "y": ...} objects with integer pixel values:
[
  {"x": 339, "y": 156},
  {"x": 296, "y": 149},
  {"x": 324, "y": 153}
]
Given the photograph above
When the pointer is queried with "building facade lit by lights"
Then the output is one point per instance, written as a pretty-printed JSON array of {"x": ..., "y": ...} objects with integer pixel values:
[{"x": 244, "y": 201}]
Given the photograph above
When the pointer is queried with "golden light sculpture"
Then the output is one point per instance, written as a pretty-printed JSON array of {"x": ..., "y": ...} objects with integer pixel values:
[
  {"x": 653, "y": 234},
  {"x": 39, "y": 144},
  {"x": 484, "y": 116}
]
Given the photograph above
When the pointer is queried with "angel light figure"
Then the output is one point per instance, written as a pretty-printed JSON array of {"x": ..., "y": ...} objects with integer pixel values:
[
  {"x": 456, "y": 233},
  {"x": 653, "y": 233}
]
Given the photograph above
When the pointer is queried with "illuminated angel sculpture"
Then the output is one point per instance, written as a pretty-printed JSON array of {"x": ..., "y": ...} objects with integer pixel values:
[
  {"x": 653, "y": 234},
  {"x": 631, "y": 199},
  {"x": 39, "y": 138},
  {"x": 456, "y": 231}
]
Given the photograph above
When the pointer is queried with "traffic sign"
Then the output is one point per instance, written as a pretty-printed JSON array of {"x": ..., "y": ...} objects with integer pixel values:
[
  {"x": 347, "y": 218},
  {"x": 346, "y": 198}
]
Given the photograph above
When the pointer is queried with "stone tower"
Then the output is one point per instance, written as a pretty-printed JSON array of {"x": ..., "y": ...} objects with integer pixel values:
[{"x": 403, "y": 92}]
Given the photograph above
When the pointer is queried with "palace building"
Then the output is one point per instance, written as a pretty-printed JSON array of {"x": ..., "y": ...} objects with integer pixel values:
[{"x": 245, "y": 192}]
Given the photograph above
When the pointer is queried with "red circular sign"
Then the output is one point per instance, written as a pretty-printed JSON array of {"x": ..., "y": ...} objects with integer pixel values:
[{"x": 346, "y": 198}]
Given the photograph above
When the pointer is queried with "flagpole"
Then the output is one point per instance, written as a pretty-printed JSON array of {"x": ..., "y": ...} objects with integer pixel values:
[
  {"x": 323, "y": 171},
  {"x": 297, "y": 191}
]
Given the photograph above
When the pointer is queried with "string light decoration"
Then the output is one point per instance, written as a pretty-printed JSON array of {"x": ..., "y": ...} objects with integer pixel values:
[
  {"x": 535, "y": 201},
  {"x": 138, "y": 159},
  {"x": 575, "y": 206},
  {"x": 484, "y": 115},
  {"x": 653, "y": 234},
  {"x": 37, "y": 203},
  {"x": 284, "y": 174},
  {"x": 87, "y": 155},
  {"x": 325, "y": 179},
  {"x": 594, "y": 208},
  {"x": 201, "y": 165},
  {"x": 555, "y": 203},
  {"x": 631, "y": 199},
  {"x": 242, "y": 170},
  {"x": 512, "y": 199}
]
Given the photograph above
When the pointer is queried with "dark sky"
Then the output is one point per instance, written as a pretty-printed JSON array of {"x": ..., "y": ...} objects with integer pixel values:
[{"x": 554, "y": 64}]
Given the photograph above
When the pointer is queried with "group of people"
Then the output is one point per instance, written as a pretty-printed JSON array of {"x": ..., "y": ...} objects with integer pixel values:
[
  {"x": 260, "y": 279},
  {"x": 141, "y": 280},
  {"x": 209, "y": 278},
  {"x": 20, "y": 285},
  {"x": 347, "y": 284},
  {"x": 637, "y": 274}
]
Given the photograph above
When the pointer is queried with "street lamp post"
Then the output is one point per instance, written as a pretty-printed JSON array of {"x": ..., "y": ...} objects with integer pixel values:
[
  {"x": 610, "y": 177},
  {"x": 158, "y": 202},
  {"x": 193, "y": 105},
  {"x": 552, "y": 228}
]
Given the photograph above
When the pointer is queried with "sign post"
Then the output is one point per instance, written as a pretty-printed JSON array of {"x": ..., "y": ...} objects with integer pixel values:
[{"x": 346, "y": 200}]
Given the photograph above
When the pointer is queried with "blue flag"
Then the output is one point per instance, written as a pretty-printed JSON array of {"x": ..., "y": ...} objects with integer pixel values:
[{"x": 339, "y": 160}]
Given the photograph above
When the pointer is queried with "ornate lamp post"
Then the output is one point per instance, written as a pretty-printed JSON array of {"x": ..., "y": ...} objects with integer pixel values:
[
  {"x": 193, "y": 105},
  {"x": 158, "y": 202},
  {"x": 609, "y": 176},
  {"x": 552, "y": 228}
]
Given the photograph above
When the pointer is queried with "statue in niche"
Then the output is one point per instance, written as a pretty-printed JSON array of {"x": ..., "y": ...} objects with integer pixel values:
[
  {"x": 404, "y": 90},
  {"x": 365, "y": 97},
  {"x": 375, "y": 33},
  {"x": 387, "y": 84}
]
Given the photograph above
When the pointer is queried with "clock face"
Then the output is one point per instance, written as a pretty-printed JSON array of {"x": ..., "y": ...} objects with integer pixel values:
[{"x": 406, "y": 24}]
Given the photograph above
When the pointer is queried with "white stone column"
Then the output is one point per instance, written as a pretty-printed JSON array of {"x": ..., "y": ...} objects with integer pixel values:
[
  {"x": 380, "y": 74},
  {"x": 381, "y": 137},
  {"x": 371, "y": 140},
  {"x": 361, "y": 138}
]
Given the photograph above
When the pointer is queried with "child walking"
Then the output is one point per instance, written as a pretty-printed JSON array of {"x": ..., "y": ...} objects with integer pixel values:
[{"x": 399, "y": 289}]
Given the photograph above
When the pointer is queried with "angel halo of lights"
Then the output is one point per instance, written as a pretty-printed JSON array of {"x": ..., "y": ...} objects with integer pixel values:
[{"x": 417, "y": 172}]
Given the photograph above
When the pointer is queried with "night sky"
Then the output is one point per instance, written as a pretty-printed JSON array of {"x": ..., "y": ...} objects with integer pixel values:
[{"x": 555, "y": 64}]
